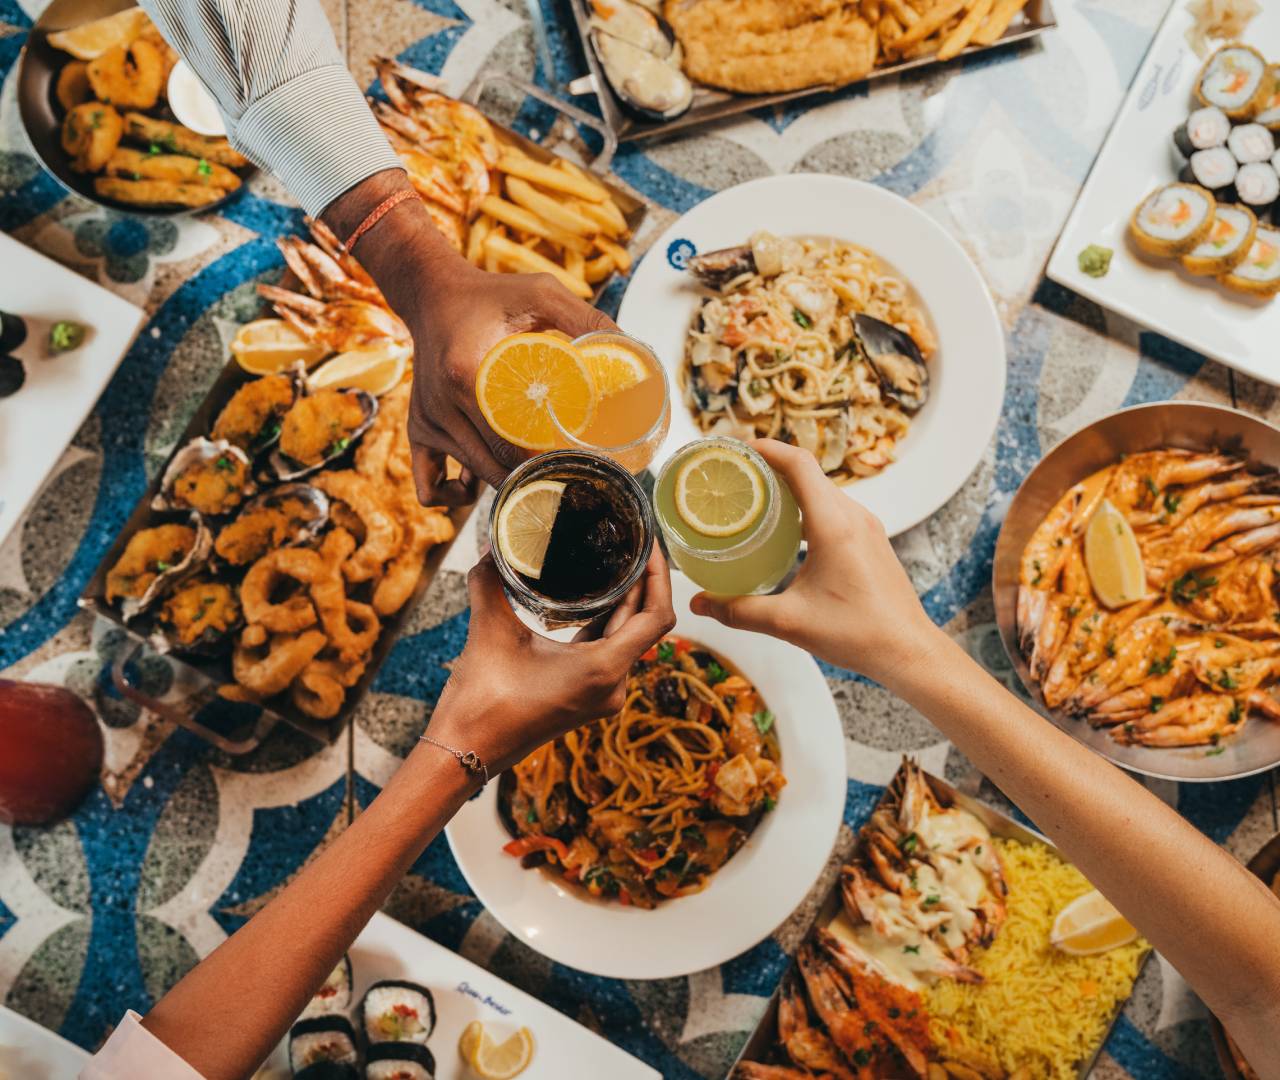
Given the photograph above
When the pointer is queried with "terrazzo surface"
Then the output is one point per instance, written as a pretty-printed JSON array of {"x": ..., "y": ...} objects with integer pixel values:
[{"x": 181, "y": 843}]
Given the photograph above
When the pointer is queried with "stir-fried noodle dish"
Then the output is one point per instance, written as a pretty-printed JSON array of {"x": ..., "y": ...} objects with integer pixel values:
[
  {"x": 776, "y": 352},
  {"x": 648, "y": 804}
]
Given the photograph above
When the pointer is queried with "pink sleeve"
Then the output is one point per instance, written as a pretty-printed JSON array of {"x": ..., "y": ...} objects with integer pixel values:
[{"x": 133, "y": 1052}]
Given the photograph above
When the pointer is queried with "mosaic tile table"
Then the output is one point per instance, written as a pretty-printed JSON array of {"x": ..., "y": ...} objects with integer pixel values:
[{"x": 181, "y": 843}]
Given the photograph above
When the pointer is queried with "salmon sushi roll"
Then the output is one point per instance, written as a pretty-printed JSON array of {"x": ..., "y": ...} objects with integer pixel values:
[
  {"x": 1235, "y": 80},
  {"x": 1227, "y": 244},
  {"x": 1259, "y": 273},
  {"x": 1172, "y": 220},
  {"x": 1268, "y": 114}
]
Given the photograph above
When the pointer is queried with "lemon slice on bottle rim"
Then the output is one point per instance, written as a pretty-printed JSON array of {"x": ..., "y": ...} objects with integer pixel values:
[
  {"x": 718, "y": 492},
  {"x": 524, "y": 525},
  {"x": 523, "y": 379}
]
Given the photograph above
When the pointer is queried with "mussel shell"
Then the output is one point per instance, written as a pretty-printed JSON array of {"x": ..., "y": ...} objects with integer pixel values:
[
  {"x": 716, "y": 269},
  {"x": 284, "y": 468},
  {"x": 200, "y": 449},
  {"x": 131, "y": 607},
  {"x": 307, "y": 530},
  {"x": 603, "y": 41},
  {"x": 896, "y": 360}
]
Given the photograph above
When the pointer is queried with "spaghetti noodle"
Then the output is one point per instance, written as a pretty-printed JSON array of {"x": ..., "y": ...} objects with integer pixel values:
[
  {"x": 774, "y": 353},
  {"x": 648, "y": 804}
]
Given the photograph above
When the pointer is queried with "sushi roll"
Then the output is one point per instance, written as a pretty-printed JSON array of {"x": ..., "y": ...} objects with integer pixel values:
[
  {"x": 335, "y": 995},
  {"x": 399, "y": 1061},
  {"x": 1214, "y": 169},
  {"x": 1258, "y": 186},
  {"x": 1172, "y": 220},
  {"x": 322, "y": 1039},
  {"x": 395, "y": 1010},
  {"x": 1259, "y": 273},
  {"x": 1249, "y": 143},
  {"x": 1204, "y": 129},
  {"x": 1268, "y": 114},
  {"x": 328, "y": 1070},
  {"x": 1226, "y": 245},
  {"x": 1235, "y": 80}
]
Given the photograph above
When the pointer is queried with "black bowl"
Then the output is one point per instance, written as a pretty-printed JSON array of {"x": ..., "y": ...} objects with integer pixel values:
[{"x": 41, "y": 114}]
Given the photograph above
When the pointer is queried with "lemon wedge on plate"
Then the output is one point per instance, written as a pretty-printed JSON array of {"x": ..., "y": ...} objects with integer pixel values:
[
  {"x": 90, "y": 40},
  {"x": 1090, "y": 924},
  {"x": 268, "y": 346},
  {"x": 526, "y": 376},
  {"x": 495, "y": 1060},
  {"x": 718, "y": 492},
  {"x": 524, "y": 525},
  {"x": 1113, "y": 559},
  {"x": 375, "y": 370}
]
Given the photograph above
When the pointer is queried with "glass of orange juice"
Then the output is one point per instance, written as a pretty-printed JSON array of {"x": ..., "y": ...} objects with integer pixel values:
[{"x": 632, "y": 404}]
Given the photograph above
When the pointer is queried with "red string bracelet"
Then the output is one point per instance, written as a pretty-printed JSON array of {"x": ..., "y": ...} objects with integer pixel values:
[{"x": 377, "y": 214}]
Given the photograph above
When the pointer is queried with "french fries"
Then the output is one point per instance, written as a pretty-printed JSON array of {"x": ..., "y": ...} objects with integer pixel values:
[
  {"x": 998, "y": 21},
  {"x": 910, "y": 29},
  {"x": 522, "y": 260}
]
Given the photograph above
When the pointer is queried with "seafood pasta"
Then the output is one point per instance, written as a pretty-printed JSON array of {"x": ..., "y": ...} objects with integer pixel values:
[
  {"x": 784, "y": 349},
  {"x": 648, "y": 804}
]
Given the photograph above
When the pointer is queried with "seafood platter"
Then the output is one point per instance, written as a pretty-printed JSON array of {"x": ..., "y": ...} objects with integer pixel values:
[
  {"x": 1134, "y": 589},
  {"x": 92, "y": 91},
  {"x": 663, "y": 67},
  {"x": 943, "y": 952}
]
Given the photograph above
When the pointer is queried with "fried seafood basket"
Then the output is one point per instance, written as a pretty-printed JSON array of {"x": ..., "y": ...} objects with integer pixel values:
[{"x": 762, "y": 1045}]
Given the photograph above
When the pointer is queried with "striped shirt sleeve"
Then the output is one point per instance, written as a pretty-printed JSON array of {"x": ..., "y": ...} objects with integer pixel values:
[{"x": 289, "y": 102}]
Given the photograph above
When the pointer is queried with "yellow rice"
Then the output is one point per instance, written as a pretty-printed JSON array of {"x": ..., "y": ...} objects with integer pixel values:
[{"x": 1037, "y": 1007}]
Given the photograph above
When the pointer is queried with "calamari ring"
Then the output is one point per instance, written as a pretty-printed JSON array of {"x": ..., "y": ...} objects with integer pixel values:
[
  {"x": 382, "y": 533},
  {"x": 289, "y": 616},
  {"x": 426, "y": 527},
  {"x": 322, "y": 687},
  {"x": 268, "y": 669}
]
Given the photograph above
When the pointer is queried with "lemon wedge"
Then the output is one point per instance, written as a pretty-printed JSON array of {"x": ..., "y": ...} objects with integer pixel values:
[
  {"x": 90, "y": 40},
  {"x": 268, "y": 346},
  {"x": 469, "y": 1040},
  {"x": 613, "y": 366},
  {"x": 525, "y": 377},
  {"x": 1113, "y": 559},
  {"x": 1090, "y": 924},
  {"x": 718, "y": 492},
  {"x": 499, "y": 1060},
  {"x": 375, "y": 370},
  {"x": 524, "y": 525}
]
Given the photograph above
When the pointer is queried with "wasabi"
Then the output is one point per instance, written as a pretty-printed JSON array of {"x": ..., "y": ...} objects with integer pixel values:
[
  {"x": 1095, "y": 260},
  {"x": 65, "y": 336}
]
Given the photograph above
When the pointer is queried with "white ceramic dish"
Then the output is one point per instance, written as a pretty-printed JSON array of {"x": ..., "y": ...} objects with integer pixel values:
[
  {"x": 38, "y": 422},
  {"x": 745, "y": 900},
  {"x": 34, "y": 1053},
  {"x": 950, "y": 434},
  {"x": 1137, "y": 157},
  {"x": 387, "y": 949}
]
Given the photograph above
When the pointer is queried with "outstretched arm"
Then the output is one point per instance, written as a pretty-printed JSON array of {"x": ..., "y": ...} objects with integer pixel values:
[
  {"x": 510, "y": 692},
  {"x": 853, "y": 605}
]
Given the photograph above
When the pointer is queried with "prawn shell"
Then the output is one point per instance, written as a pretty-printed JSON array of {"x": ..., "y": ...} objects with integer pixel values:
[
  {"x": 167, "y": 580},
  {"x": 200, "y": 449},
  {"x": 284, "y": 468},
  {"x": 304, "y": 532}
]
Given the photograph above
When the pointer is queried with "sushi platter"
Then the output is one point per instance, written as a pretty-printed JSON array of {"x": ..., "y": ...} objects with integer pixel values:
[
  {"x": 400, "y": 1005},
  {"x": 1183, "y": 199}
]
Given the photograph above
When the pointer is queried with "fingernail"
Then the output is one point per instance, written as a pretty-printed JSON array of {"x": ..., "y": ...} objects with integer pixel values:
[{"x": 698, "y": 605}]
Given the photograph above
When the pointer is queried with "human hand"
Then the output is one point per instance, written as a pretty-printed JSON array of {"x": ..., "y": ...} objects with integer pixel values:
[
  {"x": 851, "y": 603},
  {"x": 513, "y": 690}
]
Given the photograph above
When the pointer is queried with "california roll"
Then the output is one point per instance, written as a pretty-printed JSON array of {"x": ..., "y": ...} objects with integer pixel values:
[
  {"x": 334, "y": 996},
  {"x": 1259, "y": 273},
  {"x": 1251, "y": 142},
  {"x": 1203, "y": 130},
  {"x": 1258, "y": 186},
  {"x": 322, "y": 1039},
  {"x": 1214, "y": 169},
  {"x": 1235, "y": 80},
  {"x": 1226, "y": 245},
  {"x": 395, "y": 1010},
  {"x": 399, "y": 1061},
  {"x": 1172, "y": 220},
  {"x": 1269, "y": 111}
]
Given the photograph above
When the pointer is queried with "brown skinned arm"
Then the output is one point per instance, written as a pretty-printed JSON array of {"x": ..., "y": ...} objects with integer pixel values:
[
  {"x": 249, "y": 991},
  {"x": 1130, "y": 845}
]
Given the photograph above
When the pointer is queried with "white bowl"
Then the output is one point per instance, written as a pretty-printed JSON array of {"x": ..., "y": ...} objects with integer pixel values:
[{"x": 951, "y": 433}]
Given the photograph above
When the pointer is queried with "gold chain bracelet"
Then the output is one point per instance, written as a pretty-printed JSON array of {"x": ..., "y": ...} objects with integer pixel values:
[{"x": 469, "y": 759}]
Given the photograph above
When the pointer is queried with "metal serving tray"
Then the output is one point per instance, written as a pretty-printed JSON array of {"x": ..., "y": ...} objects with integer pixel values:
[
  {"x": 710, "y": 104},
  {"x": 760, "y": 1045}
]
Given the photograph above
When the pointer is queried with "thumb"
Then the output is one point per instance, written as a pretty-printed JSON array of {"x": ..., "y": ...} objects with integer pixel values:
[
  {"x": 757, "y": 613},
  {"x": 484, "y": 589}
]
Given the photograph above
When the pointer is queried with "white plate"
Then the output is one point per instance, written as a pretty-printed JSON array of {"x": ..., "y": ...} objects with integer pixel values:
[
  {"x": 38, "y": 422},
  {"x": 745, "y": 900},
  {"x": 950, "y": 434},
  {"x": 34, "y": 1053},
  {"x": 1138, "y": 157},
  {"x": 387, "y": 949}
]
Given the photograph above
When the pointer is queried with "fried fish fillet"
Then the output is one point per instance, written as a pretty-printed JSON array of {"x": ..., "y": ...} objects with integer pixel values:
[
  {"x": 137, "y": 165},
  {"x": 771, "y": 46},
  {"x": 155, "y": 192},
  {"x": 176, "y": 139}
]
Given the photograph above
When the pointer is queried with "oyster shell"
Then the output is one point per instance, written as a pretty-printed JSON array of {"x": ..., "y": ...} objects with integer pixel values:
[
  {"x": 288, "y": 468},
  {"x": 199, "y": 616},
  {"x": 251, "y": 417},
  {"x": 145, "y": 563},
  {"x": 211, "y": 477},
  {"x": 896, "y": 360},
  {"x": 286, "y": 516}
]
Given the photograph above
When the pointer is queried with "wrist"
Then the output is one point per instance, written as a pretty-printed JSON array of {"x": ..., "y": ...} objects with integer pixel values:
[{"x": 914, "y": 653}]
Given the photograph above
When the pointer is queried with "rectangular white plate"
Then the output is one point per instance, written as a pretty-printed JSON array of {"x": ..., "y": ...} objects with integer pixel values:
[
  {"x": 1137, "y": 157},
  {"x": 38, "y": 422},
  {"x": 34, "y": 1053},
  {"x": 463, "y": 992}
]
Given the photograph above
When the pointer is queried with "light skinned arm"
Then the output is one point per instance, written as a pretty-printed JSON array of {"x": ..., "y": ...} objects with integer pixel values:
[
  {"x": 510, "y": 691},
  {"x": 852, "y": 605}
]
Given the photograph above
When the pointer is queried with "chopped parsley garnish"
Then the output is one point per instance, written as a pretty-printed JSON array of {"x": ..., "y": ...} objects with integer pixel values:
[
  {"x": 1218, "y": 643},
  {"x": 1215, "y": 751},
  {"x": 204, "y": 168},
  {"x": 1164, "y": 666},
  {"x": 801, "y": 319},
  {"x": 1039, "y": 572},
  {"x": 763, "y": 721},
  {"x": 1111, "y": 647},
  {"x": 909, "y": 842},
  {"x": 224, "y": 464},
  {"x": 1157, "y": 703},
  {"x": 769, "y": 803},
  {"x": 154, "y": 149},
  {"x": 1232, "y": 716},
  {"x": 862, "y": 1057},
  {"x": 1151, "y": 486},
  {"x": 1225, "y": 680},
  {"x": 338, "y": 446},
  {"x": 913, "y": 949},
  {"x": 531, "y": 815},
  {"x": 1171, "y": 502},
  {"x": 1072, "y": 612},
  {"x": 931, "y": 899},
  {"x": 162, "y": 566},
  {"x": 666, "y": 652},
  {"x": 715, "y": 673},
  {"x": 1189, "y": 586}
]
